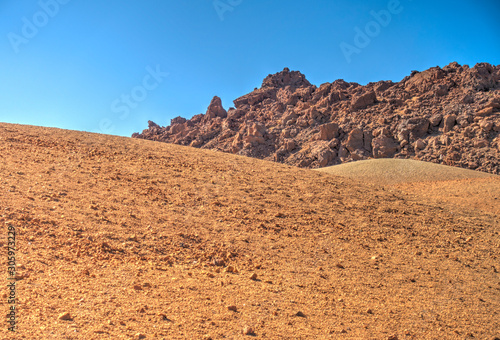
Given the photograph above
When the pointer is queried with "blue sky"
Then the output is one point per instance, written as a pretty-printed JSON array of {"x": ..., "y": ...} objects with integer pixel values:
[{"x": 110, "y": 66}]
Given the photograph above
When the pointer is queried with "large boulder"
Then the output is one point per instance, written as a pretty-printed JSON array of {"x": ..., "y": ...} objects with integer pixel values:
[
  {"x": 328, "y": 131},
  {"x": 354, "y": 140},
  {"x": 362, "y": 101},
  {"x": 448, "y": 122},
  {"x": 384, "y": 147},
  {"x": 414, "y": 128}
]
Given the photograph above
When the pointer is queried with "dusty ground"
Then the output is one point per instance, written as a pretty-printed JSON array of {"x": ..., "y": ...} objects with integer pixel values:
[
  {"x": 458, "y": 188},
  {"x": 138, "y": 239},
  {"x": 389, "y": 171}
]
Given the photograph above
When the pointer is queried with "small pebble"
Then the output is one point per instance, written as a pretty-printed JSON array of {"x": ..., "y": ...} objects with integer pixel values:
[
  {"x": 247, "y": 330},
  {"x": 253, "y": 277},
  {"x": 64, "y": 316},
  {"x": 231, "y": 269},
  {"x": 219, "y": 263}
]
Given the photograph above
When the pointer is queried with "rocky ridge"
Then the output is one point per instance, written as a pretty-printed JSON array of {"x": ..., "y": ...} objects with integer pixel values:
[{"x": 448, "y": 115}]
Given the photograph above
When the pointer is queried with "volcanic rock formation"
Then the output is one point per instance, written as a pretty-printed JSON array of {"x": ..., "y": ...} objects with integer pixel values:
[{"x": 447, "y": 115}]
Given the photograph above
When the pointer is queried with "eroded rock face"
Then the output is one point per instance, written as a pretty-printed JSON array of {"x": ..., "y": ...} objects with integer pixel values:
[
  {"x": 285, "y": 78},
  {"x": 449, "y": 116},
  {"x": 215, "y": 109}
]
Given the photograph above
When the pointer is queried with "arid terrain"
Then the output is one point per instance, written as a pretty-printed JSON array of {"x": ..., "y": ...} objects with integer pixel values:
[{"x": 126, "y": 238}]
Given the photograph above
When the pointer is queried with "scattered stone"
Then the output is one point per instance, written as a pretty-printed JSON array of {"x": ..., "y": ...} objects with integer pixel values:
[
  {"x": 253, "y": 276},
  {"x": 163, "y": 317},
  {"x": 65, "y": 316},
  {"x": 436, "y": 119},
  {"x": 449, "y": 122},
  {"x": 231, "y": 269},
  {"x": 420, "y": 145},
  {"x": 137, "y": 287},
  {"x": 247, "y": 330},
  {"x": 219, "y": 262},
  {"x": 232, "y": 308},
  {"x": 339, "y": 265},
  {"x": 140, "y": 336},
  {"x": 300, "y": 314},
  {"x": 487, "y": 111}
]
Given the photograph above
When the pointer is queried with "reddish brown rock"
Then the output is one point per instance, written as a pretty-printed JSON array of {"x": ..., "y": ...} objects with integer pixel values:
[
  {"x": 328, "y": 131},
  {"x": 215, "y": 109},
  {"x": 363, "y": 101},
  {"x": 448, "y": 122},
  {"x": 420, "y": 145},
  {"x": 325, "y": 156},
  {"x": 436, "y": 119},
  {"x": 355, "y": 140},
  {"x": 285, "y": 78},
  {"x": 384, "y": 147},
  {"x": 449, "y": 116}
]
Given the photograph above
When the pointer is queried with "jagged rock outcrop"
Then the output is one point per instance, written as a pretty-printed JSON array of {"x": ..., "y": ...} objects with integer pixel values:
[{"x": 448, "y": 115}]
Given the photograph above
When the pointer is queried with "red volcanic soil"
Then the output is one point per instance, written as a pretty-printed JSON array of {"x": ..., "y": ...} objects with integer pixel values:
[{"x": 120, "y": 238}]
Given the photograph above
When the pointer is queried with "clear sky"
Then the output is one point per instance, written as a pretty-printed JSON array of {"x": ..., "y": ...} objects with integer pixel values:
[{"x": 110, "y": 66}]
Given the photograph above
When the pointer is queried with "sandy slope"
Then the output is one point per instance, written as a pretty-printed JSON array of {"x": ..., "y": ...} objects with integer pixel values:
[
  {"x": 441, "y": 184},
  {"x": 394, "y": 171},
  {"x": 134, "y": 238}
]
